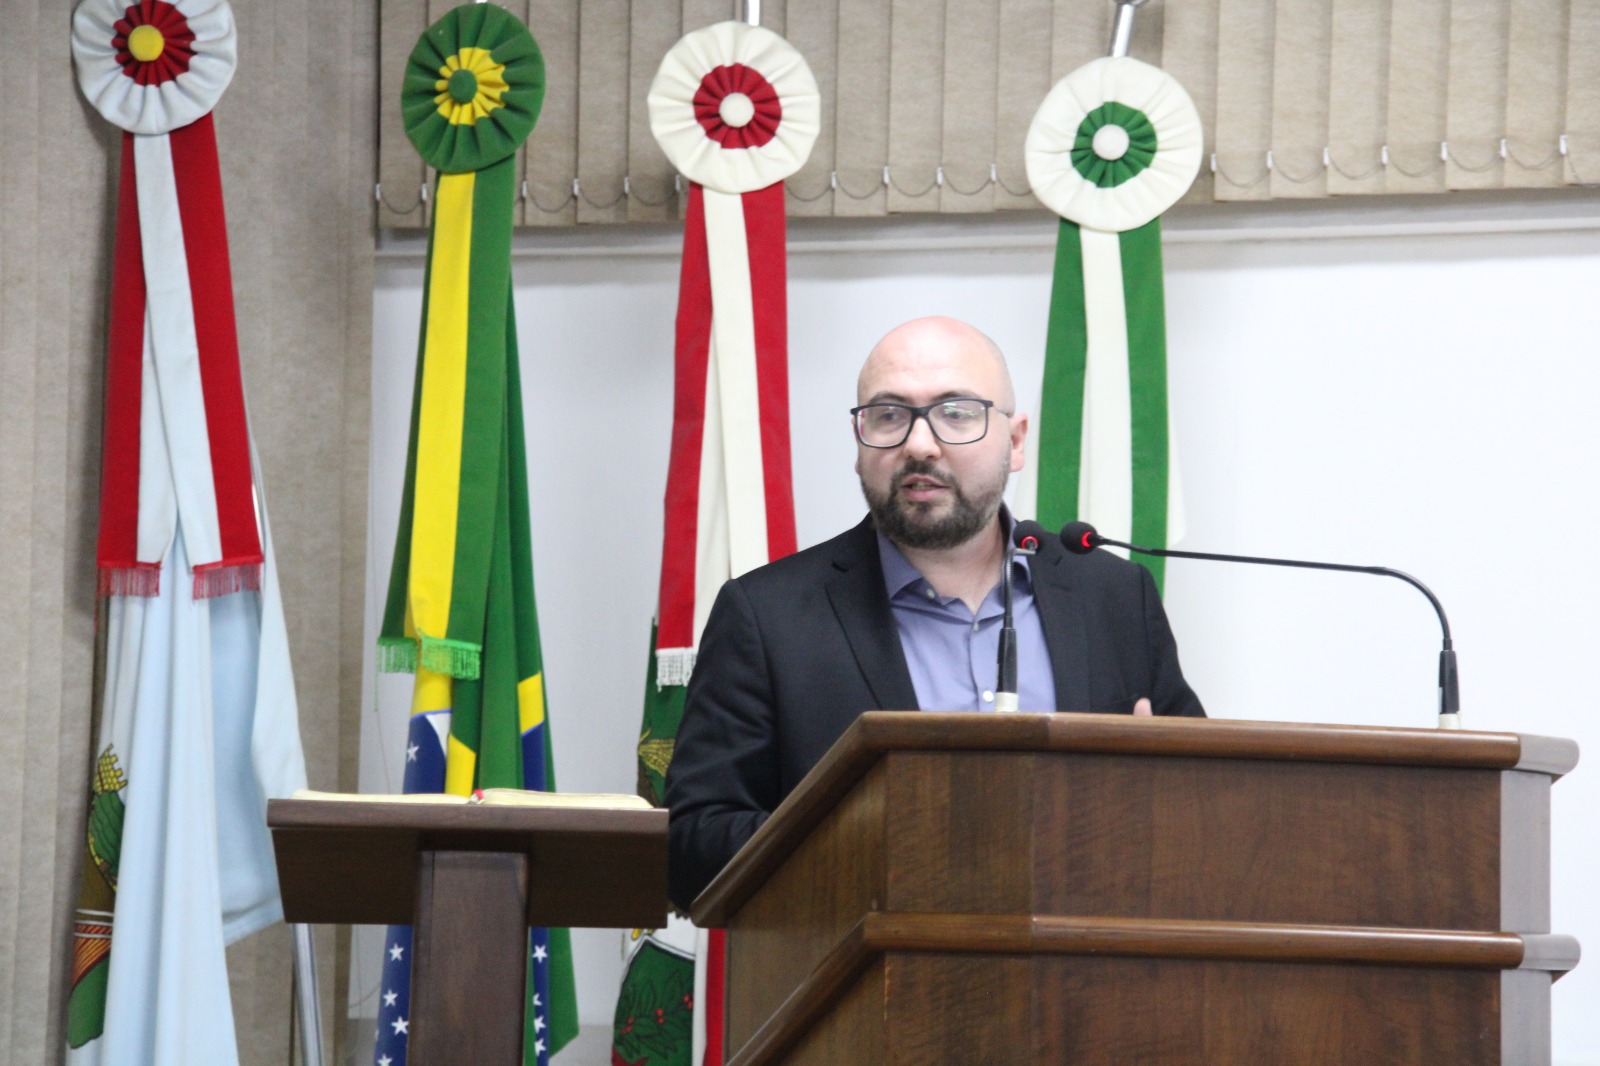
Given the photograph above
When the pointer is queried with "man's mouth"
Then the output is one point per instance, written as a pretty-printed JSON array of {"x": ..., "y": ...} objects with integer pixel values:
[{"x": 921, "y": 488}]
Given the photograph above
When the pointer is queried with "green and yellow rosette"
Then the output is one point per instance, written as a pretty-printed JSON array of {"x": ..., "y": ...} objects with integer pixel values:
[
  {"x": 1113, "y": 145},
  {"x": 472, "y": 92},
  {"x": 473, "y": 88}
]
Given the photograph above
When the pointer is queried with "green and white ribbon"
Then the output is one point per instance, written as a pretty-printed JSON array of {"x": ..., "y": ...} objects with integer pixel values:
[{"x": 1113, "y": 145}]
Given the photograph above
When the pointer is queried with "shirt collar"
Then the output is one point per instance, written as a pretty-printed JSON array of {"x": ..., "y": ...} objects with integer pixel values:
[{"x": 899, "y": 574}]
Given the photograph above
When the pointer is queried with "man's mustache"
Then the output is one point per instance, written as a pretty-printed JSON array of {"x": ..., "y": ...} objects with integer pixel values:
[{"x": 920, "y": 468}]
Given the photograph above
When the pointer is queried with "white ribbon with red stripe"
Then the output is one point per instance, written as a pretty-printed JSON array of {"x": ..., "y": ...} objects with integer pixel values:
[
  {"x": 177, "y": 446},
  {"x": 736, "y": 109}
]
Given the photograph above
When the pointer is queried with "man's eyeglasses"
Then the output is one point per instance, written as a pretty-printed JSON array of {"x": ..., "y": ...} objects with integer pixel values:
[{"x": 887, "y": 425}]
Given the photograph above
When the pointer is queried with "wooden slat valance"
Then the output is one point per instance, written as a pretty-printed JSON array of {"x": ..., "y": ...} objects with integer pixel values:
[{"x": 926, "y": 102}]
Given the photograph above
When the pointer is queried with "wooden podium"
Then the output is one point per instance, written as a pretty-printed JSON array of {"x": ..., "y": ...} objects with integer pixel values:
[
  {"x": 1009, "y": 889},
  {"x": 471, "y": 880}
]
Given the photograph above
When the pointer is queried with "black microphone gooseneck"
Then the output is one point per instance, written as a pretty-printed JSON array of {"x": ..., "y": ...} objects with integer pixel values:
[
  {"x": 1024, "y": 540},
  {"x": 1081, "y": 539}
]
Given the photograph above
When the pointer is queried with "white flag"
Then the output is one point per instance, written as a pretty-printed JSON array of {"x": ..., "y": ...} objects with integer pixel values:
[{"x": 199, "y": 728}]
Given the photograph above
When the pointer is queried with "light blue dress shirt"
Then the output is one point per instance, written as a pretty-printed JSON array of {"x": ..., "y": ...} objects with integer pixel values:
[{"x": 952, "y": 653}]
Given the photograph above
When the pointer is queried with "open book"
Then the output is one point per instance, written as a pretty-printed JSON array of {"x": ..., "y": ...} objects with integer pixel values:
[{"x": 494, "y": 797}]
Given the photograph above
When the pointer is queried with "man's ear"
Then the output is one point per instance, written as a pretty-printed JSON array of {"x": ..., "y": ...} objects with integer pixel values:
[{"x": 1019, "y": 439}]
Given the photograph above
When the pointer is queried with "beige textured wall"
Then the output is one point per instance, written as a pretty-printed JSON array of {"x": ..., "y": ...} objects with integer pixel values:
[{"x": 297, "y": 144}]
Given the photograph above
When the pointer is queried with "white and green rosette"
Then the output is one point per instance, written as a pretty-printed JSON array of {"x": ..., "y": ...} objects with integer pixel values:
[{"x": 1113, "y": 145}]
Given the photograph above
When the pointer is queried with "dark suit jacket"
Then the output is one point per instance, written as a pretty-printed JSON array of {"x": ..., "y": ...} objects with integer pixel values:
[{"x": 793, "y": 652}]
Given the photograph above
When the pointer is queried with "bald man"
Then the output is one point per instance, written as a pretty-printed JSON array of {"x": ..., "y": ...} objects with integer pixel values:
[{"x": 904, "y": 611}]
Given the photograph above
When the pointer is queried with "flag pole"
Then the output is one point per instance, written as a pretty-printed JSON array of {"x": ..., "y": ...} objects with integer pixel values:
[
  {"x": 307, "y": 1011},
  {"x": 1122, "y": 30},
  {"x": 751, "y": 11}
]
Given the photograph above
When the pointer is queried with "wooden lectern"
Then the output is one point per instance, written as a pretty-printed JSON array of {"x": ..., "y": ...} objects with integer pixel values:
[
  {"x": 471, "y": 880},
  {"x": 1010, "y": 889}
]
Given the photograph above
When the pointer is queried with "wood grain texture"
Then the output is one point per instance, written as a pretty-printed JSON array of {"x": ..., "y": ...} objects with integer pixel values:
[
  {"x": 958, "y": 1008},
  {"x": 812, "y": 1000},
  {"x": 469, "y": 958},
  {"x": 878, "y": 732},
  {"x": 1251, "y": 840},
  {"x": 960, "y": 831},
  {"x": 852, "y": 1032},
  {"x": 926, "y": 966},
  {"x": 1167, "y": 938},
  {"x": 1091, "y": 1011},
  {"x": 798, "y": 920},
  {"x": 355, "y": 862},
  {"x": 1075, "y": 888}
]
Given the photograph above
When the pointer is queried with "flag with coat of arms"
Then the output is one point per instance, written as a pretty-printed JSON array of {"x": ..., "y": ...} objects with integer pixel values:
[
  {"x": 736, "y": 109},
  {"x": 198, "y": 721}
]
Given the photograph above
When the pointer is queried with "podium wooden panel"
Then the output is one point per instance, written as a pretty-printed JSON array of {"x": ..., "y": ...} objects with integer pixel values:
[
  {"x": 470, "y": 879},
  {"x": 1095, "y": 889}
]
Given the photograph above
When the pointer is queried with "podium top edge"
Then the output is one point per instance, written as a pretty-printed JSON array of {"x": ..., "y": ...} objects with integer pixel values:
[{"x": 881, "y": 731}]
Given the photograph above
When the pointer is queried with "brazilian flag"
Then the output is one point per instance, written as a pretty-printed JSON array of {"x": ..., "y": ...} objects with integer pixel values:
[{"x": 461, "y": 612}]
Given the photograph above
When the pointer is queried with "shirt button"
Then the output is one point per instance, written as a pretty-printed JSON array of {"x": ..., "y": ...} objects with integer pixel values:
[
  {"x": 988, "y": 697},
  {"x": 931, "y": 594},
  {"x": 974, "y": 627}
]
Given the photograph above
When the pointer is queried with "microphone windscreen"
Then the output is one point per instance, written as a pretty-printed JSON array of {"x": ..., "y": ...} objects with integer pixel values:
[
  {"x": 1079, "y": 538},
  {"x": 1027, "y": 535}
]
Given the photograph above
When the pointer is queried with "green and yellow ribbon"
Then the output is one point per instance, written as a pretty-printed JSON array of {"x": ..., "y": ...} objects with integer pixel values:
[{"x": 472, "y": 91}]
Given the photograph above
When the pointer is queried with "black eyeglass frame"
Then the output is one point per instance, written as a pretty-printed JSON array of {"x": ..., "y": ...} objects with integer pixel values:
[{"x": 922, "y": 413}]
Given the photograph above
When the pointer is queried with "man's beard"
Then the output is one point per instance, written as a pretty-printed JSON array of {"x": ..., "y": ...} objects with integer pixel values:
[{"x": 912, "y": 524}]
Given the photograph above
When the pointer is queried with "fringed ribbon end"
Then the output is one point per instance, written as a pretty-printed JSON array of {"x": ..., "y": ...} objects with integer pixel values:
[
  {"x": 141, "y": 579},
  {"x": 397, "y": 655},
  {"x": 673, "y": 666},
  {"x": 221, "y": 579},
  {"x": 455, "y": 658}
]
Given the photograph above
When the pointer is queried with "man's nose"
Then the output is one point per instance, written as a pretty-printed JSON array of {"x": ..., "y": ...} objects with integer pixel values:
[{"x": 922, "y": 444}]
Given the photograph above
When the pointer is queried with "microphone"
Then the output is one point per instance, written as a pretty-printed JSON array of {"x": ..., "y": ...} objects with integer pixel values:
[
  {"x": 1025, "y": 536},
  {"x": 1024, "y": 541},
  {"x": 1080, "y": 538}
]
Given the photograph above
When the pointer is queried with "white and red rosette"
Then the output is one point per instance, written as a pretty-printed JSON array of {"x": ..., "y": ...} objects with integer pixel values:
[
  {"x": 152, "y": 66},
  {"x": 735, "y": 107},
  {"x": 177, "y": 443},
  {"x": 1114, "y": 144}
]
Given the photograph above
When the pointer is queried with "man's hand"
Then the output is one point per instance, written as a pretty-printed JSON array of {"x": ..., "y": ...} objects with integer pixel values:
[{"x": 1141, "y": 707}]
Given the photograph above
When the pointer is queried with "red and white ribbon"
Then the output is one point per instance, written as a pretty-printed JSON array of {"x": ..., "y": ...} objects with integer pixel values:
[
  {"x": 177, "y": 443},
  {"x": 736, "y": 109}
]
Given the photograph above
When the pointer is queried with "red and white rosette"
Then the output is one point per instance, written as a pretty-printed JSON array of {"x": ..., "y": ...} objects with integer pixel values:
[
  {"x": 177, "y": 445},
  {"x": 736, "y": 109},
  {"x": 152, "y": 66}
]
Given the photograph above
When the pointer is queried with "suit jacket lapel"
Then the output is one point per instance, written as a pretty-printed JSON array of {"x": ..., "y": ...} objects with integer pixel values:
[
  {"x": 1065, "y": 631},
  {"x": 861, "y": 604}
]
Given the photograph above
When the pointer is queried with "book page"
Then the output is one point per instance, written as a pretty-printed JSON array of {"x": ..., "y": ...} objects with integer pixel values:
[
  {"x": 379, "y": 797},
  {"x": 604, "y": 801}
]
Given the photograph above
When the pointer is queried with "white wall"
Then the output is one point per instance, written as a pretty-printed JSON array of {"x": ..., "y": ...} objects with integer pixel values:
[{"x": 1371, "y": 395}]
